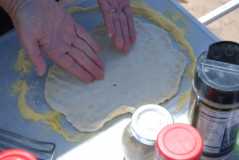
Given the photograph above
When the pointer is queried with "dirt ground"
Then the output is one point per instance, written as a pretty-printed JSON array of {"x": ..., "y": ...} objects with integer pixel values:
[{"x": 226, "y": 28}]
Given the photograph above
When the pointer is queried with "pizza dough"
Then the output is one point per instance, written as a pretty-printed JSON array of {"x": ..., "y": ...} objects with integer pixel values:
[{"x": 150, "y": 73}]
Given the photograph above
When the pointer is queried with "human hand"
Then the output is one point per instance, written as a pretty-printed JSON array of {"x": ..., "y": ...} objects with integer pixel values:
[
  {"x": 44, "y": 28},
  {"x": 119, "y": 22}
]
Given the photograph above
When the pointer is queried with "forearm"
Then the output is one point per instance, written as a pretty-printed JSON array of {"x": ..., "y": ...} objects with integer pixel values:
[{"x": 10, "y": 6}]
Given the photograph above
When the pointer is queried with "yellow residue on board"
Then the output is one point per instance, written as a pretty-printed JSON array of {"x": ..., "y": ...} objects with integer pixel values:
[
  {"x": 52, "y": 118},
  {"x": 182, "y": 101},
  {"x": 141, "y": 9},
  {"x": 23, "y": 64},
  {"x": 177, "y": 19}
]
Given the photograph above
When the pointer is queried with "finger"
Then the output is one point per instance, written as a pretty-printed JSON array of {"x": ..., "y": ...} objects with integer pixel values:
[
  {"x": 82, "y": 34},
  {"x": 87, "y": 63},
  {"x": 131, "y": 26},
  {"x": 118, "y": 37},
  {"x": 108, "y": 19},
  {"x": 107, "y": 10},
  {"x": 114, "y": 3},
  {"x": 33, "y": 50},
  {"x": 106, "y": 4},
  {"x": 68, "y": 64},
  {"x": 101, "y": 2},
  {"x": 80, "y": 44},
  {"x": 125, "y": 32},
  {"x": 123, "y": 3}
]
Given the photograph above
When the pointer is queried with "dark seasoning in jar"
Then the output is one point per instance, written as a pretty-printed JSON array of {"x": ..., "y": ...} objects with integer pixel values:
[
  {"x": 140, "y": 135},
  {"x": 215, "y": 98}
]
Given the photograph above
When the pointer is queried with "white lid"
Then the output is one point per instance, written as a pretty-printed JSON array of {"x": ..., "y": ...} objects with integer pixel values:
[{"x": 147, "y": 121}]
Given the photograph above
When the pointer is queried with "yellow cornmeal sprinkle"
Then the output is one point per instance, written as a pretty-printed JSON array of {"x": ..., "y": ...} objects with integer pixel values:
[
  {"x": 52, "y": 118},
  {"x": 177, "y": 19},
  {"x": 182, "y": 101},
  {"x": 23, "y": 64}
]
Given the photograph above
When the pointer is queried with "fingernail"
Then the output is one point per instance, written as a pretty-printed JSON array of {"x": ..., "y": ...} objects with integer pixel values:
[
  {"x": 88, "y": 81},
  {"x": 119, "y": 43},
  {"x": 100, "y": 76},
  {"x": 125, "y": 50},
  {"x": 132, "y": 39},
  {"x": 101, "y": 65}
]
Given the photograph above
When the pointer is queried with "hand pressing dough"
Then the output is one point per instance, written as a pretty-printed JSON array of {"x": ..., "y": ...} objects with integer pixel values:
[{"x": 150, "y": 73}]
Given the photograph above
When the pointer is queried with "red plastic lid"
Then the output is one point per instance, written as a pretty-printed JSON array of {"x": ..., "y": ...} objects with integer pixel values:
[
  {"x": 16, "y": 154},
  {"x": 179, "y": 142}
]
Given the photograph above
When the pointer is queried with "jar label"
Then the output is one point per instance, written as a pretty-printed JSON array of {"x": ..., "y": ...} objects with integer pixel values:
[{"x": 218, "y": 128}]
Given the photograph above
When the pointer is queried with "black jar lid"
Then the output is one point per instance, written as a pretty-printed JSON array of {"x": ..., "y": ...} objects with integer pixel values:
[{"x": 217, "y": 73}]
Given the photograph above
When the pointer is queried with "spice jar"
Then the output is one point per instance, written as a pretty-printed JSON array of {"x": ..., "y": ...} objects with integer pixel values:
[
  {"x": 178, "y": 142},
  {"x": 16, "y": 154},
  {"x": 140, "y": 135},
  {"x": 215, "y": 98}
]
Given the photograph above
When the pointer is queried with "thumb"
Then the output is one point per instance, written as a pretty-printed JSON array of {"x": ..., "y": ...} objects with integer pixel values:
[{"x": 34, "y": 53}]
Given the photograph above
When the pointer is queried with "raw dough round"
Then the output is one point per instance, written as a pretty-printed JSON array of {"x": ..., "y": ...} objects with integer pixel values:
[{"x": 150, "y": 73}]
